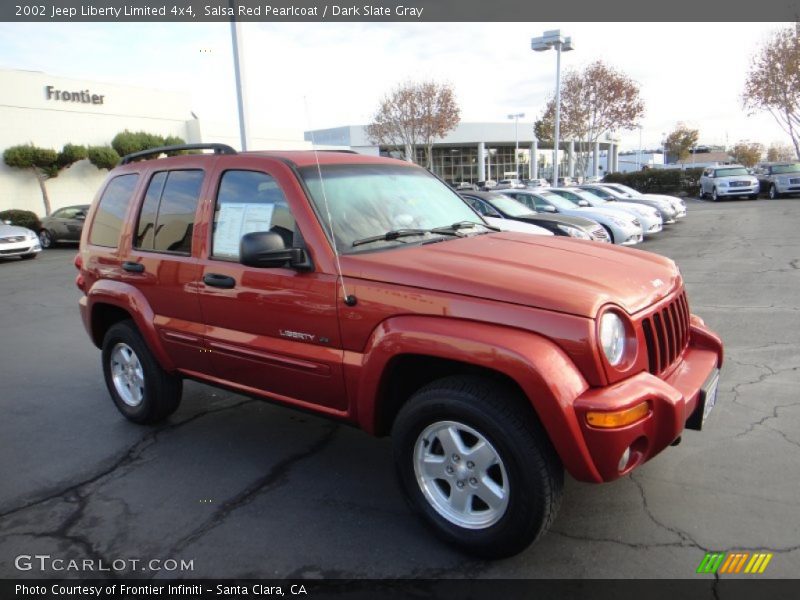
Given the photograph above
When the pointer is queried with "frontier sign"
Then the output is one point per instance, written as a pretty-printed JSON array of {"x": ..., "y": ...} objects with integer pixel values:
[{"x": 82, "y": 96}]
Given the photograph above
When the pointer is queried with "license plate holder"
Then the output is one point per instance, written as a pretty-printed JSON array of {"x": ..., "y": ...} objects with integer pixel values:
[{"x": 706, "y": 400}]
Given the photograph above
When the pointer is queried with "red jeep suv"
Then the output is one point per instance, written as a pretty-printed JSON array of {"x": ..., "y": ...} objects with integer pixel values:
[{"x": 364, "y": 289}]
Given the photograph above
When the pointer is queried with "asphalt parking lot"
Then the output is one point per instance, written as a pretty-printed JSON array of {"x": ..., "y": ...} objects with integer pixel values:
[{"x": 246, "y": 489}]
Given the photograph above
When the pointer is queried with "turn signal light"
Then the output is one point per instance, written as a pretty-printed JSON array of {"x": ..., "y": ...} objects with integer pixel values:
[{"x": 618, "y": 418}]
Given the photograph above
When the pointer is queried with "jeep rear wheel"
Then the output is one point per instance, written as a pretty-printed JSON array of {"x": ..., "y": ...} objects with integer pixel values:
[
  {"x": 142, "y": 391},
  {"x": 476, "y": 464}
]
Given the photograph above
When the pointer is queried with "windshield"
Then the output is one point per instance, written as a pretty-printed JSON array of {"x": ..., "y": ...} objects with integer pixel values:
[
  {"x": 731, "y": 172},
  {"x": 371, "y": 200},
  {"x": 509, "y": 206},
  {"x": 778, "y": 169},
  {"x": 557, "y": 201},
  {"x": 590, "y": 197},
  {"x": 629, "y": 191},
  {"x": 604, "y": 193}
]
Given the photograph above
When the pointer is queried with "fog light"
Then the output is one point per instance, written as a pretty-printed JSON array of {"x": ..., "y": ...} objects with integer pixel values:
[
  {"x": 618, "y": 418},
  {"x": 623, "y": 461}
]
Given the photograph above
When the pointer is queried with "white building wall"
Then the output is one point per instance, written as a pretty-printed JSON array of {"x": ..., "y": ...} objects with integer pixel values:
[{"x": 27, "y": 115}]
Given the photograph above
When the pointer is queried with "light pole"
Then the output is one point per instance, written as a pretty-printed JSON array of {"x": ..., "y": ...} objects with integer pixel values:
[
  {"x": 639, "y": 162},
  {"x": 554, "y": 39},
  {"x": 516, "y": 117},
  {"x": 664, "y": 145}
]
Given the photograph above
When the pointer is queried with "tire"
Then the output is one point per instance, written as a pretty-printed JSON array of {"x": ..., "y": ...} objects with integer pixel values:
[
  {"x": 46, "y": 240},
  {"x": 773, "y": 192},
  {"x": 29, "y": 256},
  {"x": 609, "y": 232},
  {"x": 141, "y": 389},
  {"x": 714, "y": 196},
  {"x": 702, "y": 194},
  {"x": 516, "y": 470}
]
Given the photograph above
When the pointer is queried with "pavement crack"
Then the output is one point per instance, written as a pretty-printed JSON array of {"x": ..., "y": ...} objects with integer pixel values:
[
  {"x": 128, "y": 457},
  {"x": 634, "y": 545},
  {"x": 275, "y": 477},
  {"x": 684, "y": 537}
]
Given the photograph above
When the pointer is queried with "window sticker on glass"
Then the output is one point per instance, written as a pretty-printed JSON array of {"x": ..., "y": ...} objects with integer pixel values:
[{"x": 236, "y": 219}]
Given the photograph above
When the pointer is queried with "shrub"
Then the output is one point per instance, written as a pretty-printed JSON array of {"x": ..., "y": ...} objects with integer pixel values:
[
  {"x": 128, "y": 142},
  {"x": 103, "y": 157},
  {"x": 22, "y": 218},
  {"x": 660, "y": 181}
]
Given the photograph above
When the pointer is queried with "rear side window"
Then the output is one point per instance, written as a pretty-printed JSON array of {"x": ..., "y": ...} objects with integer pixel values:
[
  {"x": 166, "y": 219},
  {"x": 110, "y": 214}
]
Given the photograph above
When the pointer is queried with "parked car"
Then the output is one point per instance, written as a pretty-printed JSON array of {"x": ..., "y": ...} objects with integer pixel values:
[
  {"x": 677, "y": 203},
  {"x": 505, "y": 184},
  {"x": 501, "y": 205},
  {"x": 362, "y": 288},
  {"x": 621, "y": 227},
  {"x": 502, "y": 224},
  {"x": 667, "y": 210},
  {"x": 64, "y": 225},
  {"x": 18, "y": 241},
  {"x": 648, "y": 217},
  {"x": 537, "y": 182},
  {"x": 728, "y": 181},
  {"x": 778, "y": 179},
  {"x": 464, "y": 185}
]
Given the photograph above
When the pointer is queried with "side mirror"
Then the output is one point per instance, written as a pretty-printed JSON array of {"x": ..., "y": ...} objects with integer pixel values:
[
  {"x": 267, "y": 250},
  {"x": 583, "y": 203},
  {"x": 548, "y": 208}
]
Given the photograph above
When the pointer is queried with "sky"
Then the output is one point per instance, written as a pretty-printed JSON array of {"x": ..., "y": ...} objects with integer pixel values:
[{"x": 302, "y": 76}]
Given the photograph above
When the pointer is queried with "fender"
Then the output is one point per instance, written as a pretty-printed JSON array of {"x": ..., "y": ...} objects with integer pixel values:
[
  {"x": 130, "y": 299},
  {"x": 546, "y": 375}
]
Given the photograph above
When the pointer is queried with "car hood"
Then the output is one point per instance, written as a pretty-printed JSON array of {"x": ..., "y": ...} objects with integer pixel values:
[
  {"x": 580, "y": 222},
  {"x": 13, "y": 230},
  {"x": 551, "y": 273},
  {"x": 519, "y": 226},
  {"x": 618, "y": 212},
  {"x": 670, "y": 199}
]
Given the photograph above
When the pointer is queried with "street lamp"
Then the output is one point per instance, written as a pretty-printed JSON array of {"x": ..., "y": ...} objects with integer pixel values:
[
  {"x": 516, "y": 117},
  {"x": 554, "y": 39}
]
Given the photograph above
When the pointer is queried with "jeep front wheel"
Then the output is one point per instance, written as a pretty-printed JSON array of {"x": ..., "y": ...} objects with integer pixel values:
[
  {"x": 476, "y": 464},
  {"x": 142, "y": 391}
]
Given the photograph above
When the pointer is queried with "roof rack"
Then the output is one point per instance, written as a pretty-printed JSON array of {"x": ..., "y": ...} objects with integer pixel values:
[{"x": 217, "y": 148}]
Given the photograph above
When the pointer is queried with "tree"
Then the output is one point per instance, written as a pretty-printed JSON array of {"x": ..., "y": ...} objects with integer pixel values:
[
  {"x": 128, "y": 142},
  {"x": 747, "y": 153},
  {"x": 44, "y": 163},
  {"x": 594, "y": 101},
  {"x": 680, "y": 141},
  {"x": 103, "y": 157},
  {"x": 780, "y": 152},
  {"x": 773, "y": 83},
  {"x": 415, "y": 113}
]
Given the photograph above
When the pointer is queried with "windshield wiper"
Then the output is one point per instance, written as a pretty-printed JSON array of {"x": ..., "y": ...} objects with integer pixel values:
[
  {"x": 449, "y": 229},
  {"x": 395, "y": 234}
]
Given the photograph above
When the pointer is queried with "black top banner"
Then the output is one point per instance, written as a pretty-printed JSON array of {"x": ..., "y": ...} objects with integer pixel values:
[{"x": 396, "y": 10}]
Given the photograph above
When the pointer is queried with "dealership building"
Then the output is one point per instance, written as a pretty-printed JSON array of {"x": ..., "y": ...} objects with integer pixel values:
[
  {"x": 48, "y": 111},
  {"x": 482, "y": 151}
]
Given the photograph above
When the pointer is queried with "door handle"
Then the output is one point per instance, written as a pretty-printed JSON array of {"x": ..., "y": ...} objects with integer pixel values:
[
  {"x": 133, "y": 267},
  {"x": 220, "y": 281}
]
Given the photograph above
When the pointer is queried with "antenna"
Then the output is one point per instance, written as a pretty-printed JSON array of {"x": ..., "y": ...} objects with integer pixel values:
[{"x": 349, "y": 299}]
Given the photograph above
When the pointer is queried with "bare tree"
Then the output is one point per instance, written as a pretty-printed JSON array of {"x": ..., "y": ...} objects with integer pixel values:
[
  {"x": 747, "y": 153},
  {"x": 773, "y": 82},
  {"x": 413, "y": 114},
  {"x": 680, "y": 141},
  {"x": 780, "y": 152},
  {"x": 594, "y": 101}
]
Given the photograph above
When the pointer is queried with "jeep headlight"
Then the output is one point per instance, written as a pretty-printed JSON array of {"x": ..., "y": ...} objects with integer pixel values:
[
  {"x": 575, "y": 232},
  {"x": 612, "y": 337}
]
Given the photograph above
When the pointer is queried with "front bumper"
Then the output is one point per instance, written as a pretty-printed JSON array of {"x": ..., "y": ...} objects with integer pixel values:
[
  {"x": 672, "y": 402},
  {"x": 28, "y": 246},
  {"x": 738, "y": 191}
]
